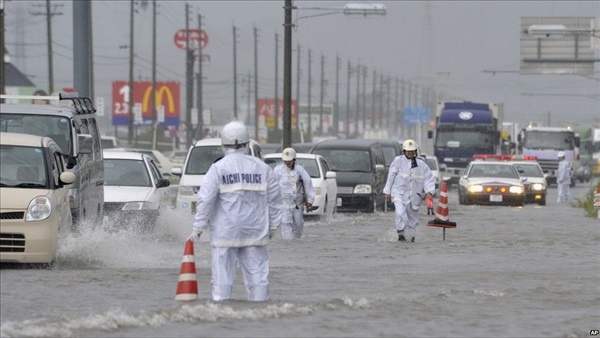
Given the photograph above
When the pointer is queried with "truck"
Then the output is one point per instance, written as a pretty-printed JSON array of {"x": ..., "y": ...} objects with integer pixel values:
[
  {"x": 463, "y": 129},
  {"x": 544, "y": 143}
]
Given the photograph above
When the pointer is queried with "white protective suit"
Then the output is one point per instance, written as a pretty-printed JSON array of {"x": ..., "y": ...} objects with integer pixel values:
[
  {"x": 293, "y": 194},
  {"x": 407, "y": 187},
  {"x": 240, "y": 201},
  {"x": 563, "y": 181}
]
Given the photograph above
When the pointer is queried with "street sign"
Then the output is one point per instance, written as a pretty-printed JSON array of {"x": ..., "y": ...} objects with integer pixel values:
[{"x": 196, "y": 37}]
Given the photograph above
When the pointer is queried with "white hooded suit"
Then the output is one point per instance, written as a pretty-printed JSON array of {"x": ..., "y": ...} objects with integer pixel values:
[
  {"x": 407, "y": 187},
  {"x": 293, "y": 194},
  {"x": 240, "y": 201}
]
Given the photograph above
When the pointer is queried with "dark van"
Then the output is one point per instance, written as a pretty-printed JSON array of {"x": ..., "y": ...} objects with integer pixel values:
[{"x": 361, "y": 172}]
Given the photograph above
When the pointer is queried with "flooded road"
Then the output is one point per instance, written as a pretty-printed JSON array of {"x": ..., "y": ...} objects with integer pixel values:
[{"x": 503, "y": 272}]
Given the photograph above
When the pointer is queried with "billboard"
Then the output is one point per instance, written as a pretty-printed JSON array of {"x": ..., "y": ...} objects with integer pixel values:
[
  {"x": 266, "y": 112},
  {"x": 167, "y": 103}
]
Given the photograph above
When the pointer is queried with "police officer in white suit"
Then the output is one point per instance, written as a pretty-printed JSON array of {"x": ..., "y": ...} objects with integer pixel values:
[
  {"x": 563, "y": 179},
  {"x": 409, "y": 181},
  {"x": 296, "y": 191},
  {"x": 240, "y": 201}
]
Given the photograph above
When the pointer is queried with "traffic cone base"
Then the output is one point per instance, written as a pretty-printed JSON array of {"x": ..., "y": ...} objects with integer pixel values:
[{"x": 187, "y": 287}]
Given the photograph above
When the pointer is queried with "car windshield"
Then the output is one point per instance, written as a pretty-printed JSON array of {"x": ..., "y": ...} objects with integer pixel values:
[
  {"x": 309, "y": 164},
  {"x": 529, "y": 170},
  {"x": 389, "y": 153},
  {"x": 493, "y": 171},
  {"x": 201, "y": 158},
  {"x": 346, "y": 159},
  {"x": 55, "y": 127},
  {"x": 22, "y": 167},
  {"x": 431, "y": 163},
  {"x": 124, "y": 172}
]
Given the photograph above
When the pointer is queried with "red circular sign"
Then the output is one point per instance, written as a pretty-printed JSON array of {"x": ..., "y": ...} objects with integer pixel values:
[{"x": 195, "y": 37}]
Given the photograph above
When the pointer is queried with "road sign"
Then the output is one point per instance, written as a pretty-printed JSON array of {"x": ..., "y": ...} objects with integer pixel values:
[{"x": 196, "y": 37}]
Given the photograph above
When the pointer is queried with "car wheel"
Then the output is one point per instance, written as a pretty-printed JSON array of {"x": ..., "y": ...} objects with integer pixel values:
[
  {"x": 542, "y": 201},
  {"x": 374, "y": 203}
]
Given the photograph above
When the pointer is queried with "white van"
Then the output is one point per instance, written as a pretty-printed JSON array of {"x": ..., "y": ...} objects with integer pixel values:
[
  {"x": 199, "y": 158},
  {"x": 72, "y": 125}
]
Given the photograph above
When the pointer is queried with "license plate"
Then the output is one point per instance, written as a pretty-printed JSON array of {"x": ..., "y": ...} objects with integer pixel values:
[
  {"x": 495, "y": 198},
  {"x": 339, "y": 202}
]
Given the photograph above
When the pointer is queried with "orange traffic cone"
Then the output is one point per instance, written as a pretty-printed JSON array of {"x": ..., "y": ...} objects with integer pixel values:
[
  {"x": 442, "y": 218},
  {"x": 187, "y": 288}
]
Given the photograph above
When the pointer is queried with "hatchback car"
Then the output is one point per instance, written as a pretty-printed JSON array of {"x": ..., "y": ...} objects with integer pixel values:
[
  {"x": 491, "y": 183},
  {"x": 361, "y": 172},
  {"x": 323, "y": 181},
  {"x": 535, "y": 183},
  {"x": 135, "y": 192},
  {"x": 199, "y": 158},
  {"x": 34, "y": 198}
]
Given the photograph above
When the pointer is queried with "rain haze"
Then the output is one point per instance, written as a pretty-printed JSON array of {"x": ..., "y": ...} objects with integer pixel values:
[{"x": 465, "y": 50}]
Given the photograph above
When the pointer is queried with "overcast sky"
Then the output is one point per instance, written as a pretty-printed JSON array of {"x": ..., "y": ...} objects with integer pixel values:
[{"x": 470, "y": 48}]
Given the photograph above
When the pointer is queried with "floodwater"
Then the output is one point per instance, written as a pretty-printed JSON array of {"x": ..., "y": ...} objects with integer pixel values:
[{"x": 503, "y": 272}]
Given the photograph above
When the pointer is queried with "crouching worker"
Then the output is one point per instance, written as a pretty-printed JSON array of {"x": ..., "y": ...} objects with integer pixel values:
[
  {"x": 240, "y": 201},
  {"x": 408, "y": 179},
  {"x": 296, "y": 192}
]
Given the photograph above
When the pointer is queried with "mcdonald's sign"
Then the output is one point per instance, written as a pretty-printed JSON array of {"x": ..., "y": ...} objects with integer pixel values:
[
  {"x": 266, "y": 109},
  {"x": 167, "y": 97}
]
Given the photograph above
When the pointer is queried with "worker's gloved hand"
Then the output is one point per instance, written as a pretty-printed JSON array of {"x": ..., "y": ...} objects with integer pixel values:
[
  {"x": 272, "y": 233},
  {"x": 195, "y": 236}
]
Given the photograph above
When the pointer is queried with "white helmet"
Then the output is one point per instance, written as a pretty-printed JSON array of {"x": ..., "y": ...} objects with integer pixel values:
[
  {"x": 409, "y": 145},
  {"x": 561, "y": 154},
  {"x": 234, "y": 133},
  {"x": 288, "y": 154}
]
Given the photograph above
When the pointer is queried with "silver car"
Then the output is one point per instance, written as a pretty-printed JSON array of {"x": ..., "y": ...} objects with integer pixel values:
[{"x": 135, "y": 192}]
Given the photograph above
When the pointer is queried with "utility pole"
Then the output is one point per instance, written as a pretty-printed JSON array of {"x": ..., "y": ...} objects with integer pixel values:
[
  {"x": 276, "y": 84},
  {"x": 374, "y": 97},
  {"x": 395, "y": 111},
  {"x": 347, "y": 122},
  {"x": 235, "y": 102},
  {"x": 358, "y": 98},
  {"x": 322, "y": 94},
  {"x": 298, "y": 73},
  {"x": 255, "y": 83},
  {"x": 364, "y": 96},
  {"x": 2, "y": 52},
  {"x": 309, "y": 132},
  {"x": 49, "y": 13},
  {"x": 287, "y": 75},
  {"x": 130, "y": 105},
  {"x": 153, "y": 104},
  {"x": 199, "y": 100},
  {"x": 189, "y": 78},
  {"x": 336, "y": 114}
]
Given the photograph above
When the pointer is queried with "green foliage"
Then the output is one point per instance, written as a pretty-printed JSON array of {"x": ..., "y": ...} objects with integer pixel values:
[{"x": 588, "y": 203}]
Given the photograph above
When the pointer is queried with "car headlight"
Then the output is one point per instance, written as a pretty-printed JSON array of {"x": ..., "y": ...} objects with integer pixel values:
[
  {"x": 186, "y": 190},
  {"x": 515, "y": 190},
  {"x": 537, "y": 186},
  {"x": 317, "y": 190},
  {"x": 362, "y": 189},
  {"x": 475, "y": 188},
  {"x": 137, "y": 206},
  {"x": 39, "y": 209}
]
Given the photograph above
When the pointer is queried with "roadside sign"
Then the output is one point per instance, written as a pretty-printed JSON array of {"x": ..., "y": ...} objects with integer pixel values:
[{"x": 196, "y": 37}]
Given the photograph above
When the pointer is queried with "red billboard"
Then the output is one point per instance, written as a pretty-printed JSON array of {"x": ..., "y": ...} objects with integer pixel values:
[
  {"x": 266, "y": 108},
  {"x": 167, "y": 103}
]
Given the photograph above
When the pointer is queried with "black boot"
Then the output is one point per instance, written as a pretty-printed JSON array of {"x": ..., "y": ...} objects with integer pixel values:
[
  {"x": 412, "y": 239},
  {"x": 401, "y": 237}
]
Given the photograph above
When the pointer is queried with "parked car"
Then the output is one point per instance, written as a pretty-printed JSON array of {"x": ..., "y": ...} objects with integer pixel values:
[
  {"x": 535, "y": 184},
  {"x": 176, "y": 157},
  {"x": 491, "y": 183},
  {"x": 162, "y": 162},
  {"x": 199, "y": 158},
  {"x": 271, "y": 148},
  {"x": 391, "y": 149},
  {"x": 322, "y": 177},
  {"x": 109, "y": 142},
  {"x": 34, "y": 198},
  {"x": 437, "y": 170},
  {"x": 582, "y": 170},
  {"x": 72, "y": 125},
  {"x": 135, "y": 192},
  {"x": 360, "y": 172}
]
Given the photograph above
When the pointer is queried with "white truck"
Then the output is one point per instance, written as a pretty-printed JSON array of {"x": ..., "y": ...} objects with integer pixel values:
[{"x": 545, "y": 143}]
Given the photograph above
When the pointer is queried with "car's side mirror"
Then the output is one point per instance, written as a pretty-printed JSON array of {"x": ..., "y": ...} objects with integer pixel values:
[
  {"x": 379, "y": 168},
  {"x": 330, "y": 174},
  {"x": 163, "y": 182},
  {"x": 443, "y": 167},
  {"x": 177, "y": 171},
  {"x": 85, "y": 143}
]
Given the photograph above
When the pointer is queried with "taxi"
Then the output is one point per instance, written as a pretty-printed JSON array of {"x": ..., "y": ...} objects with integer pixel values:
[{"x": 491, "y": 182}]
